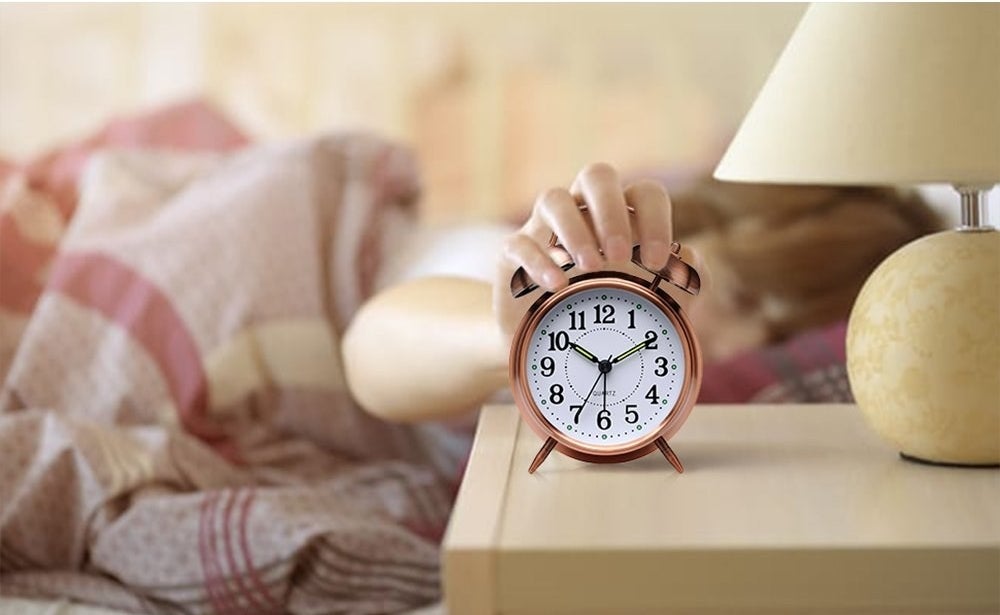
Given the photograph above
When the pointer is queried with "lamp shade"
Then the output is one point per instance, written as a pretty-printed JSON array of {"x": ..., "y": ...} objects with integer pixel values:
[{"x": 878, "y": 94}]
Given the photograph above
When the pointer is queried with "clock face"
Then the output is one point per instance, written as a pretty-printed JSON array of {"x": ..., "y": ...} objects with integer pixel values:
[{"x": 605, "y": 366}]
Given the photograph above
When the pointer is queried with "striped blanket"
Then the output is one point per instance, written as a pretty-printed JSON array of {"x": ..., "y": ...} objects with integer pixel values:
[{"x": 175, "y": 432}]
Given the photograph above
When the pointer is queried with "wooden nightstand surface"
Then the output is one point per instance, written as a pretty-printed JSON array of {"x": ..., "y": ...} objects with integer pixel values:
[{"x": 782, "y": 507}]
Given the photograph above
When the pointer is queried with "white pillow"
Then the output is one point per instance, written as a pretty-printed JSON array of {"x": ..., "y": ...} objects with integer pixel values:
[{"x": 467, "y": 251}]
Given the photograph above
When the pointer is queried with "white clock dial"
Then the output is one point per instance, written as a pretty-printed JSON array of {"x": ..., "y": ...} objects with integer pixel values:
[{"x": 605, "y": 366}]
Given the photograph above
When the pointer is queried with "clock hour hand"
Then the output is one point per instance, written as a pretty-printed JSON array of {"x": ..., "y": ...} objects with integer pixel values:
[
  {"x": 586, "y": 354},
  {"x": 634, "y": 349}
]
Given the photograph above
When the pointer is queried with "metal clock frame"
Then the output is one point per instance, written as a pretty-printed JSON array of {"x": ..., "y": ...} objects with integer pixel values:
[{"x": 659, "y": 436}]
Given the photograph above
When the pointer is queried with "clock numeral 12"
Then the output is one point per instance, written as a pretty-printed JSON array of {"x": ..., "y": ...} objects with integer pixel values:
[{"x": 604, "y": 314}]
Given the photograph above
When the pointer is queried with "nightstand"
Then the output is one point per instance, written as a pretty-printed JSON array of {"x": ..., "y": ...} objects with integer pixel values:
[{"x": 782, "y": 509}]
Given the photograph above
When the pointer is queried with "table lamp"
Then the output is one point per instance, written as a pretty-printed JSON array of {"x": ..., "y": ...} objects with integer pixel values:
[{"x": 896, "y": 94}]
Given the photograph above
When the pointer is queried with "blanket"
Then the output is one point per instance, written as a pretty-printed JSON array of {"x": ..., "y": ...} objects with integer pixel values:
[{"x": 175, "y": 429}]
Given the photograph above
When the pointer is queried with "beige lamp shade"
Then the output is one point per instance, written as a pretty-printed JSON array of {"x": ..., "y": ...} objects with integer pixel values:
[{"x": 878, "y": 94}]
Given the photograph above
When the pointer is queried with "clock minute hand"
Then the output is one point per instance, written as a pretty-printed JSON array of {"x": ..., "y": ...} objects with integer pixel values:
[
  {"x": 634, "y": 349},
  {"x": 586, "y": 354},
  {"x": 604, "y": 394}
]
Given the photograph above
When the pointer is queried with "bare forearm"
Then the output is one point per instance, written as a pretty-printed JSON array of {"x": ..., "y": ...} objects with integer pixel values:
[
  {"x": 430, "y": 348},
  {"x": 436, "y": 346}
]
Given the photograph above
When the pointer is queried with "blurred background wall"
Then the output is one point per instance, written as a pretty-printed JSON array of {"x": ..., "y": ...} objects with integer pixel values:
[{"x": 498, "y": 100}]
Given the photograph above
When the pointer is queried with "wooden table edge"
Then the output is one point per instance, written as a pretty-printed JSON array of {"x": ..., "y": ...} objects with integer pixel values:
[{"x": 465, "y": 545}]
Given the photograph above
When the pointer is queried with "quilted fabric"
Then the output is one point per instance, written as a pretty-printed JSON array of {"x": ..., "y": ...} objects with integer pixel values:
[{"x": 175, "y": 430}]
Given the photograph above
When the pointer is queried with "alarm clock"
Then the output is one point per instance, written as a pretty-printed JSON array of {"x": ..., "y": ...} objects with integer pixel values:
[{"x": 608, "y": 368}]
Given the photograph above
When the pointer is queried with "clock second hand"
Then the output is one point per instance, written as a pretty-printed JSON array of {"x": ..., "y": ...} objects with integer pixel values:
[
  {"x": 576, "y": 419},
  {"x": 603, "y": 374}
]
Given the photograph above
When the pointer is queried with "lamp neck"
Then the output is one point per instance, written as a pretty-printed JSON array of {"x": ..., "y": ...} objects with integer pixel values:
[{"x": 974, "y": 214}]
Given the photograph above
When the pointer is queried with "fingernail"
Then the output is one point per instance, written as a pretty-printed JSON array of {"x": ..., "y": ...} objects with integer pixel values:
[
  {"x": 618, "y": 249},
  {"x": 655, "y": 254},
  {"x": 589, "y": 259},
  {"x": 552, "y": 280}
]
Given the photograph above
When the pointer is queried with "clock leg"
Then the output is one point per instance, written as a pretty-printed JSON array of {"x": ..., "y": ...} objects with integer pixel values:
[
  {"x": 550, "y": 444},
  {"x": 669, "y": 454}
]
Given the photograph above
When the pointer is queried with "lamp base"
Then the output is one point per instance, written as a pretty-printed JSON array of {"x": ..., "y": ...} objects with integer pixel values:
[
  {"x": 948, "y": 464},
  {"x": 923, "y": 349}
]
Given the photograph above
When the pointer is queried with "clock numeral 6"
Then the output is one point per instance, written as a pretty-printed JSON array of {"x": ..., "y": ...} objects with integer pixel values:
[
  {"x": 631, "y": 416},
  {"x": 556, "y": 394},
  {"x": 604, "y": 419}
]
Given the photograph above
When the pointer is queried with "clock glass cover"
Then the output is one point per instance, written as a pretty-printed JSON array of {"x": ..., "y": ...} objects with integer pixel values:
[{"x": 605, "y": 366}]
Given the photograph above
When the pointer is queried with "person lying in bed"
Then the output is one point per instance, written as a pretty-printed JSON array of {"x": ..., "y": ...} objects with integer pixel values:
[
  {"x": 175, "y": 432},
  {"x": 777, "y": 261}
]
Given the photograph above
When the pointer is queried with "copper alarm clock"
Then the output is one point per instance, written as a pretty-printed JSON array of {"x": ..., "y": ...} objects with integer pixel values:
[{"x": 608, "y": 368}]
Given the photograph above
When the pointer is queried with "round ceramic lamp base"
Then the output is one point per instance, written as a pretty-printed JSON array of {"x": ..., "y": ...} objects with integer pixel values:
[
  {"x": 948, "y": 464},
  {"x": 923, "y": 349}
]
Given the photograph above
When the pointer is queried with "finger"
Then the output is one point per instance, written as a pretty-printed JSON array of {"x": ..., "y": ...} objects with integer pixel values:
[
  {"x": 653, "y": 219},
  {"x": 521, "y": 251},
  {"x": 536, "y": 229},
  {"x": 600, "y": 188},
  {"x": 558, "y": 209}
]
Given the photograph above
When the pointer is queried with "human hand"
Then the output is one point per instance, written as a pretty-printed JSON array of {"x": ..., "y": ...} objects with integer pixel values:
[{"x": 599, "y": 238}]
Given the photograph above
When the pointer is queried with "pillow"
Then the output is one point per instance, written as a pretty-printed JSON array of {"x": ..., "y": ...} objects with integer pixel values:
[{"x": 465, "y": 251}]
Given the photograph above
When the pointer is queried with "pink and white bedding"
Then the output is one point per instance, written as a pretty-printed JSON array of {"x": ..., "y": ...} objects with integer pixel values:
[{"x": 175, "y": 431}]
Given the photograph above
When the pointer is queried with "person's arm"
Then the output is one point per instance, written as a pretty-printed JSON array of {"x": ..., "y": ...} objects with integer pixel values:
[
  {"x": 435, "y": 347},
  {"x": 427, "y": 348}
]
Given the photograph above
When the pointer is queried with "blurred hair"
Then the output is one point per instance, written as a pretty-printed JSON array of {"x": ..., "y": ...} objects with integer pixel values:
[{"x": 796, "y": 256}]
